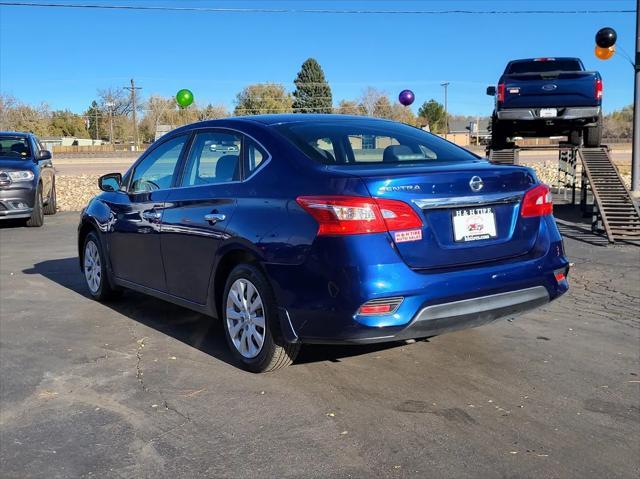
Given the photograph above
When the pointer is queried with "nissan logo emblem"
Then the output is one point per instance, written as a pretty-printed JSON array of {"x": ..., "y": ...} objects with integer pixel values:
[
  {"x": 549, "y": 87},
  {"x": 476, "y": 183}
]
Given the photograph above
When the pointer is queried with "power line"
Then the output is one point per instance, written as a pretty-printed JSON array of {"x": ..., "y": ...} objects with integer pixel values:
[{"x": 355, "y": 11}]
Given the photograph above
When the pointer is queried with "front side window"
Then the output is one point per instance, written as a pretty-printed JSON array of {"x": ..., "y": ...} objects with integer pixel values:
[
  {"x": 15, "y": 147},
  {"x": 214, "y": 158},
  {"x": 155, "y": 171},
  {"x": 371, "y": 142}
]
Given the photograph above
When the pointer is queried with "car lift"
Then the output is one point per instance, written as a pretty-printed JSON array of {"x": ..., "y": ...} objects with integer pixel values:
[{"x": 612, "y": 209}]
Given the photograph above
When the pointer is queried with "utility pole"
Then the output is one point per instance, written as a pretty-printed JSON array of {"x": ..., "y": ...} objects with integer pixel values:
[
  {"x": 446, "y": 115},
  {"x": 635, "y": 155},
  {"x": 110, "y": 104},
  {"x": 477, "y": 130},
  {"x": 132, "y": 90}
]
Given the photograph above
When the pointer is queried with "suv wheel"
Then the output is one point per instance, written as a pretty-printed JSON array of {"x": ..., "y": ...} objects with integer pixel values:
[
  {"x": 250, "y": 319},
  {"x": 37, "y": 215},
  {"x": 95, "y": 272},
  {"x": 575, "y": 137},
  {"x": 52, "y": 204}
]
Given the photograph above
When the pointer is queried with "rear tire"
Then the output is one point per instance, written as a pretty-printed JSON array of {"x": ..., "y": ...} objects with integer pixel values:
[
  {"x": 52, "y": 204},
  {"x": 250, "y": 322},
  {"x": 95, "y": 270},
  {"x": 37, "y": 215},
  {"x": 499, "y": 136},
  {"x": 593, "y": 135},
  {"x": 575, "y": 138}
]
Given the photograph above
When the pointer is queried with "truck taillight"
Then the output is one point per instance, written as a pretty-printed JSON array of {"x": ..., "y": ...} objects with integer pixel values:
[
  {"x": 347, "y": 215},
  {"x": 500, "y": 92},
  {"x": 598, "y": 91},
  {"x": 537, "y": 201}
]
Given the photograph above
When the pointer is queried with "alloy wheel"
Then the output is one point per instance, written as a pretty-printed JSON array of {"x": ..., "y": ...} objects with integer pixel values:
[
  {"x": 245, "y": 318},
  {"x": 92, "y": 266}
]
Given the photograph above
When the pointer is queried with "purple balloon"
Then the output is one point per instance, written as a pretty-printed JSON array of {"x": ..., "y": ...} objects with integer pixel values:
[{"x": 406, "y": 97}]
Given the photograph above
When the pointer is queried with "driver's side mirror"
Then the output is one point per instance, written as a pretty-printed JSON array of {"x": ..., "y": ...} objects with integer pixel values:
[
  {"x": 491, "y": 91},
  {"x": 43, "y": 155},
  {"x": 110, "y": 182}
]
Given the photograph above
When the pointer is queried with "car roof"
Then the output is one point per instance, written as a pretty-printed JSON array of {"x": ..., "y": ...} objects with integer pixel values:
[
  {"x": 19, "y": 134},
  {"x": 277, "y": 119}
]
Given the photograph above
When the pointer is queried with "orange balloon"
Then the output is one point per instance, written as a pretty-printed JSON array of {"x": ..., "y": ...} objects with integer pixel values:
[{"x": 605, "y": 53}]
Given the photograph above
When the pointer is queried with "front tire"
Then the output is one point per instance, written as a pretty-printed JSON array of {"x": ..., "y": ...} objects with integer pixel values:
[
  {"x": 250, "y": 321},
  {"x": 37, "y": 215},
  {"x": 95, "y": 270},
  {"x": 575, "y": 138},
  {"x": 52, "y": 204}
]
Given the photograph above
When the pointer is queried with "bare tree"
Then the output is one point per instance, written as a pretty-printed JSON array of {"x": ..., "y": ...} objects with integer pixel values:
[{"x": 370, "y": 98}]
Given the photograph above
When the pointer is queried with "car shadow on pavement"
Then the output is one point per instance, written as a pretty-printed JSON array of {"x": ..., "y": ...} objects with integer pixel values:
[{"x": 194, "y": 329}]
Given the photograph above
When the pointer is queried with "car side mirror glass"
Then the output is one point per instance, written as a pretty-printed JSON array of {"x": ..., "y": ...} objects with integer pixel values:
[
  {"x": 491, "y": 91},
  {"x": 43, "y": 155},
  {"x": 110, "y": 182}
]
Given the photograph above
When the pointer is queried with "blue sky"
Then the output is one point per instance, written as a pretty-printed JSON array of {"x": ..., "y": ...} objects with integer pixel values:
[{"x": 62, "y": 56}]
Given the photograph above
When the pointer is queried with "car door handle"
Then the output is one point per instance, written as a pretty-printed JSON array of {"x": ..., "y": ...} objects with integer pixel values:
[
  {"x": 214, "y": 217},
  {"x": 151, "y": 215}
]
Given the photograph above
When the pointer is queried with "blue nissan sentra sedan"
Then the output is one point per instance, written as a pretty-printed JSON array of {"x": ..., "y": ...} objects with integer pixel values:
[{"x": 328, "y": 229}]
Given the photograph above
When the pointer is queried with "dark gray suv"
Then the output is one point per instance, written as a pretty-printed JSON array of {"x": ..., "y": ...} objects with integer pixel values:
[{"x": 27, "y": 179}]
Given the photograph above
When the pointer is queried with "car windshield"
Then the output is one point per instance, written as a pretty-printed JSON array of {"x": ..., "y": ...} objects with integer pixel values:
[
  {"x": 382, "y": 143},
  {"x": 14, "y": 147},
  {"x": 544, "y": 66}
]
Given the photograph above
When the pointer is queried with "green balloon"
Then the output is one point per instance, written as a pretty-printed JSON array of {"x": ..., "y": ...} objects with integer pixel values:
[{"x": 184, "y": 98}]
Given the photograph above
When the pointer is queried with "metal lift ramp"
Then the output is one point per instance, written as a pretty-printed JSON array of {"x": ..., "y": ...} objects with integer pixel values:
[
  {"x": 614, "y": 207},
  {"x": 506, "y": 156}
]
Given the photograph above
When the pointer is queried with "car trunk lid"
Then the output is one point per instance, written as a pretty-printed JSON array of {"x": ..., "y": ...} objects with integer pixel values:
[{"x": 460, "y": 226}]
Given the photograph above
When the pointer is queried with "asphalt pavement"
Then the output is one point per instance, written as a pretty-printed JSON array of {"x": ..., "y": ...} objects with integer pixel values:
[{"x": 141, "y": 388}]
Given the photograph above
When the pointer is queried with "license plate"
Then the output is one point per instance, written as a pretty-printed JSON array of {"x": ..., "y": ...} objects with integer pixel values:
[
  {"x": 548, "y": 112},
  {"x": 473, "y": 224}
]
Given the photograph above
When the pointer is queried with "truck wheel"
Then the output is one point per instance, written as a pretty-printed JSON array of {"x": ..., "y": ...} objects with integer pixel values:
[
  {"x": 498, "y": 136},
  {"x": 593, "y": 135},
  {"x": 37, "y": 215},
  {"x": 575, "y": 137},
  {"x": 52, "y": 204},
  {"x": 250, "y": 318}
]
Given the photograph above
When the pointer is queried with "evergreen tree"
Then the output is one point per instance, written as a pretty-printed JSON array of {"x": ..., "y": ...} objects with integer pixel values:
[{"x": 313, "y": 93}]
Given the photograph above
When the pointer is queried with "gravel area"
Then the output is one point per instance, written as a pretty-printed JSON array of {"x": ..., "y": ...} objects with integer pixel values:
[{"x": 75, "y": 191}]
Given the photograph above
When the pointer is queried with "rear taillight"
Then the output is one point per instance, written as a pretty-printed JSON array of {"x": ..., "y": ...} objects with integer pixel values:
[
  {"x": 347, "y": 215},
  {"x": 500, "y": 92},
  {"x": 380, "y": 306},
  {"x": 598, "y": 90},
  {"x": 537, "y": 201}
]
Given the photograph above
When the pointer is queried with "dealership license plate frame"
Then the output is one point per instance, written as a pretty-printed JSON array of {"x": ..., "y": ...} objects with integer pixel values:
[{"x": 486, "y": 216}]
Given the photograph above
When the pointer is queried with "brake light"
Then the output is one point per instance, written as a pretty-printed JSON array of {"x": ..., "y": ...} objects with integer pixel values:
[
  {"x": 537, "y": 201},
  {"x": 500, "y": 92},
  {"x": 598, "y": 91},
  {"x": 347, "y": 215}
]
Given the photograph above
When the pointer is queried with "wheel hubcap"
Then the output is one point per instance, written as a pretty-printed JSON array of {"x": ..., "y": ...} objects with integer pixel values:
[
  {"x": 245, "y": 318},
  {"x": 92, "y": 266}
]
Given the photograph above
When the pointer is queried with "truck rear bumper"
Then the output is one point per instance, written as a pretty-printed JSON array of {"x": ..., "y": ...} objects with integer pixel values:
[{"x": 533, "y": 114}]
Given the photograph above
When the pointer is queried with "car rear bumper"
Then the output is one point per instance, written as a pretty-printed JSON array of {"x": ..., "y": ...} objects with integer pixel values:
[
  {"x": 16, "y": 202},
  {"x": 564, "y": 114},
  {"x": 320, "y": 300}
]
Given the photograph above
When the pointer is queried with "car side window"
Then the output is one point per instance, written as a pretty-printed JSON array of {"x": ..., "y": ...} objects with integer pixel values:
[
  {"x": 255, "y": 156},
  {"x": 214, "y": 158},
  {"x": 156, "y": 170}
]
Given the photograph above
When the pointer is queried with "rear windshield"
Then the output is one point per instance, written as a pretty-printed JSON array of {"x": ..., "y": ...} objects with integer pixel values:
[
  {"x": 14, "y": 147},
  {"x": 543, "y": 66},
  {"x": 358, "y": 142}
]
